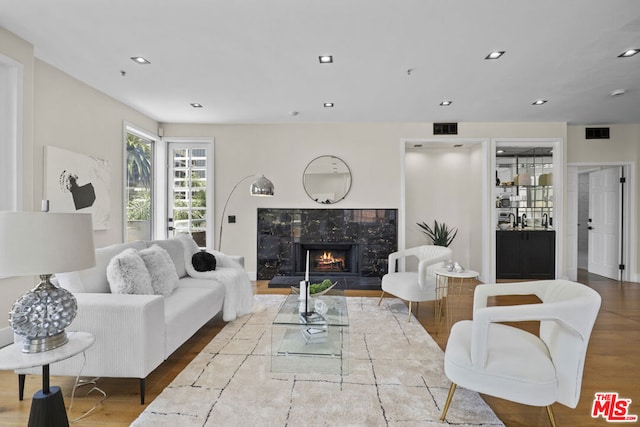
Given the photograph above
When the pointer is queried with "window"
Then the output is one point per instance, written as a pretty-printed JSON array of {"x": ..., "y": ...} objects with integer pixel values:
[{"x": 139, "y": 186}]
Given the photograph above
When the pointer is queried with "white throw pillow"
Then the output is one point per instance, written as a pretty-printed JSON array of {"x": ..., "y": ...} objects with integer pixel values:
[
  {"x": 162, "y": 270},
  {"x": 127, "y": 274}
]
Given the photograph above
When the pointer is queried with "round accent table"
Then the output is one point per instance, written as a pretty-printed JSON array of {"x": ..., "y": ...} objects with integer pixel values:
[
  {"x": 442, "y": 288},
  {"x": 47, "y": 407}
]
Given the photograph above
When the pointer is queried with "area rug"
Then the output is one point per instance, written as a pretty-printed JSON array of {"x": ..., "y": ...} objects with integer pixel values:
[{"x": 396, "y": 378}]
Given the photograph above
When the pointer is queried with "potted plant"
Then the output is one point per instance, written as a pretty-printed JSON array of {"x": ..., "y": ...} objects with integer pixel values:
[{"x": 440, "y": 234}]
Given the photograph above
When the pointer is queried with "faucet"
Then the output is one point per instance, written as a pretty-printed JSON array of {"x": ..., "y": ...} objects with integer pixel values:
[
  {"x": 545, "y": 220},
  {"x": 515, "y": 224},
  {"x": 524, "y": 220}
]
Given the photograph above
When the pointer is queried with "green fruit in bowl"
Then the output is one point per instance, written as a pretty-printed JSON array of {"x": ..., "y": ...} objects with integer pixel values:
[{"x": 319, "y": 287}]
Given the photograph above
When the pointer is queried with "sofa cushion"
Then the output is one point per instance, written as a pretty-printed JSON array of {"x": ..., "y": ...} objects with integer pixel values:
[
  {"x": 162, "y": 271},
  {"x": 127, "y": 274},
  {"x": 176, "y": 251},
  {"x": 94, "y": 280},
  {"x": 187, "y": 309}
]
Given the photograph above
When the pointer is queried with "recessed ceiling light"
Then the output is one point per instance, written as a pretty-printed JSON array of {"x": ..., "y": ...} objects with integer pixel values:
[
  {"x": 328, "y": 104},
  {"x": 500, "y": 151},
  {"x": 196, "y": 105},
  {"x": 539, "y": 102},
  {"x": 140, "y": 60},
  {"x": 628, "y": 53},
  {"x": 446, "y": 103},
  {"x": 617, "y": 92},
  {"x": 495, "y": 54},
  {"x": 325, "y": 59}
]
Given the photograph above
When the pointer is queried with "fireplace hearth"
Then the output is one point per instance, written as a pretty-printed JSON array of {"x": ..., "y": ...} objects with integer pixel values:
[{"x": 350, "y": 246}]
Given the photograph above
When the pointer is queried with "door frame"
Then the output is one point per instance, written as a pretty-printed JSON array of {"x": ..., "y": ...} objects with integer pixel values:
[
  {"x": 559, "y": 152},
  {"x": 209, "y": 144},
  {"x": 628, "y": 224}
]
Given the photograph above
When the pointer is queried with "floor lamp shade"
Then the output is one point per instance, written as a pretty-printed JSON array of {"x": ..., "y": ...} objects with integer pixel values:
[
  {"x": 42, "y": 243},
  {"x": 261, "y": 187}
]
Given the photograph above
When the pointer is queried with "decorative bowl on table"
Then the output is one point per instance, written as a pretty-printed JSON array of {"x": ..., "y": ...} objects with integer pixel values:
[{"x": 317, "y": 289}]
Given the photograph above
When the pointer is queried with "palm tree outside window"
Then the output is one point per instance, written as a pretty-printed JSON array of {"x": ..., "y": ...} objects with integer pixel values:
[{"x": 139, "y": 185}]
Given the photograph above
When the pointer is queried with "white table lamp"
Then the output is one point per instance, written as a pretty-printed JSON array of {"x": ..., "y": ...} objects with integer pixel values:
[{"x": 43, "y": 243}]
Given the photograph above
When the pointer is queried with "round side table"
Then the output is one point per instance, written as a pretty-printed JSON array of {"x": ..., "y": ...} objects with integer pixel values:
[
  {"x": 47, "y": 407},
  {"x": 442, "y": 288},
  {"x": 459, "y": 275}
]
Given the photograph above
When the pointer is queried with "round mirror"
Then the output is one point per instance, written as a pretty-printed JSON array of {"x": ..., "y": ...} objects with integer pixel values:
[{"x": 327, "y": 179}]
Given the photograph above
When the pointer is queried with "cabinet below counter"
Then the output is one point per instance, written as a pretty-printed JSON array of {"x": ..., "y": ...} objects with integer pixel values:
[{"x": 522, "y": 254}]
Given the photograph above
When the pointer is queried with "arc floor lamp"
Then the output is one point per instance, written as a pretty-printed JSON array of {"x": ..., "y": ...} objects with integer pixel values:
[{"x": 260, "y": 187}]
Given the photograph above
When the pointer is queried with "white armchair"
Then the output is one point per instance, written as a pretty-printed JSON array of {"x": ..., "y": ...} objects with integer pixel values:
[
  {"x": 415, "y": 286},
  {"x": 510, "y": 363}
]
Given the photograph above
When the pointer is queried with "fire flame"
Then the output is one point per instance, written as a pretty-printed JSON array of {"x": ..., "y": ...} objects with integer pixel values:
[{"x": 328, "y": 260}]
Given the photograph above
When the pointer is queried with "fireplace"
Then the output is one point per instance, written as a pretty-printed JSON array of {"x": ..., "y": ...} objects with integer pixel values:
[
  {"x": 350, "y": 246},
  {"x": 328, "y": 258}
]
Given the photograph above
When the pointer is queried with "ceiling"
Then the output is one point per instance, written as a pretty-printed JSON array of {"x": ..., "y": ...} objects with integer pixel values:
[{"x": 256, "y": 61}]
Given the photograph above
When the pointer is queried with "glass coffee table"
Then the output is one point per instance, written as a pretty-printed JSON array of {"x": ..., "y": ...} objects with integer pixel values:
[{"x": 320, "y": 345}]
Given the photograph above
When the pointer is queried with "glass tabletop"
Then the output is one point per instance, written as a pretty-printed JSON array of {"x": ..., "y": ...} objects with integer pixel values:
[{"x": 329, "y": 309}]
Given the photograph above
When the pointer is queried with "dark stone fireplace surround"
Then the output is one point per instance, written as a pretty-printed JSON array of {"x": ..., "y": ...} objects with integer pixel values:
[{"x": 367, "y": 236}]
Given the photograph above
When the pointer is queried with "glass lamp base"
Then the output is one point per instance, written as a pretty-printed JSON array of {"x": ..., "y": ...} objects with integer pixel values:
[{"x": 41, "y": 315}]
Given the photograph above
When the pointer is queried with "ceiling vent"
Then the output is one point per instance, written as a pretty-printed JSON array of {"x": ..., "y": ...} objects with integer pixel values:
[
  {"x": 596, "y": 133},
  {"x": 445, "y": 128}
]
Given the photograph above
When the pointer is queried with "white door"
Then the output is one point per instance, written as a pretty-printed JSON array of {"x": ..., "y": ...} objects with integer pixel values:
[
  {"x": 604, "y": 222},
  {"x": 572, "y": 223},
  {"x": 190, "y": 184}
]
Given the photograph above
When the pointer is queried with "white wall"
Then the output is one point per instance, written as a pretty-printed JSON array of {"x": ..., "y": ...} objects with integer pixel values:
[
  {"x": 76, "y": 117},
  {"x": 438, "y": 188},
  {"x": 281, "y": 153},
  {"x": 372, "y": 151}
]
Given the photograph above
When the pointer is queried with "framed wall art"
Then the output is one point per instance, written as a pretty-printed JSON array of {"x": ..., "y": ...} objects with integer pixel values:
[{"x": 76, "y": 182}]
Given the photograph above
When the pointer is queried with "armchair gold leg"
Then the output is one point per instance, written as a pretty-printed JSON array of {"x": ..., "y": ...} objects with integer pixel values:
[
  {"x": 452, "y": 390},
  {"x": 551, "y": 417},
  {"x": 381, "y": 295}
]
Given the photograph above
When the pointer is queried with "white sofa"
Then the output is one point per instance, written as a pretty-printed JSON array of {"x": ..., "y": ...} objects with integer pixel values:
[{"x": 134, "y": 333}]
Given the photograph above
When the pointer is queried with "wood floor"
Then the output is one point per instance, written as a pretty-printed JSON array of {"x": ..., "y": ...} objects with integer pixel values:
[{"x": 612, "y": 365}]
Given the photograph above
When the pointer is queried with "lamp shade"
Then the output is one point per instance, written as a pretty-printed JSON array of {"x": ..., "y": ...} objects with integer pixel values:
[
  {"x": 42, "y": 243},
  {"x": 261, "y": 187},
  {"x": 34, "y": 243}
]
